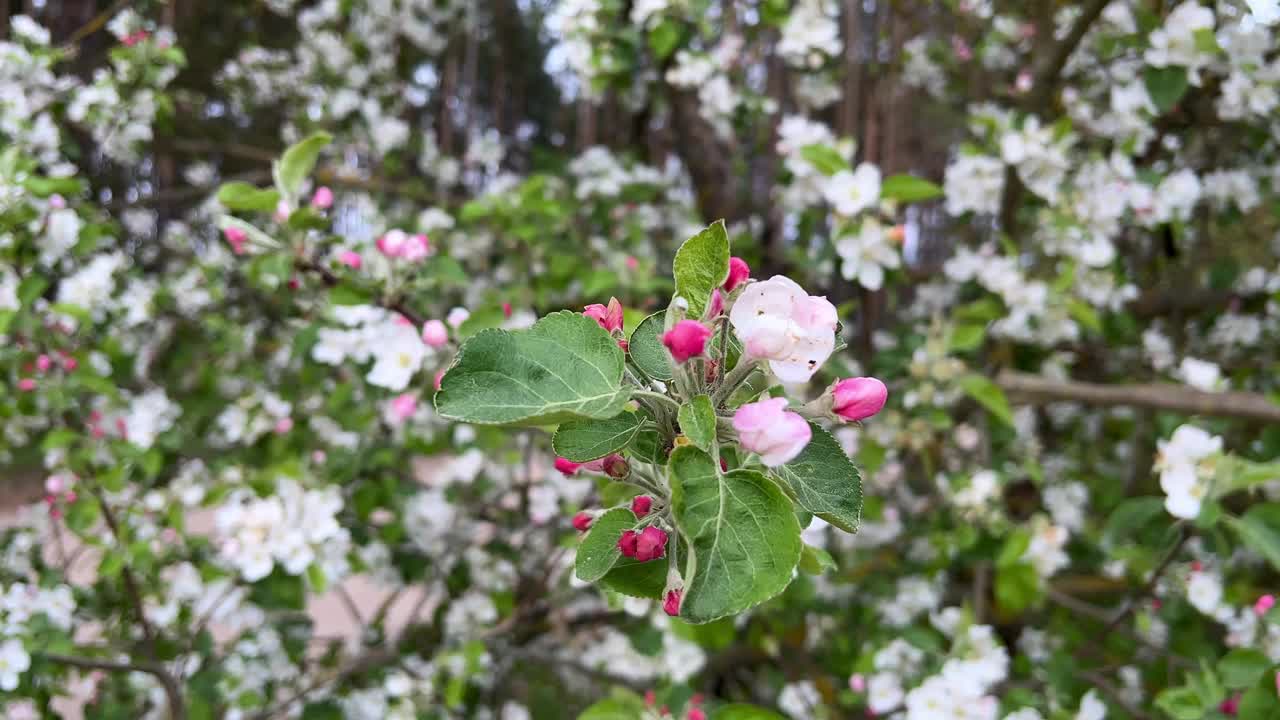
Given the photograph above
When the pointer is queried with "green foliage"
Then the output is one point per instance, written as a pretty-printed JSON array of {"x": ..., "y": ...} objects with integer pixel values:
[
  {"x": 586, "y": 440},
  {"x": 824, "y": 481},
  {"x": 702, "y": 265}
]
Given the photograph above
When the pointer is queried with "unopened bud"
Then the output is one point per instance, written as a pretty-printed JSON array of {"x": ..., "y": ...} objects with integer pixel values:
[
  {"x": 641, "y": 505},
  {"x": 616, "y": 467}
]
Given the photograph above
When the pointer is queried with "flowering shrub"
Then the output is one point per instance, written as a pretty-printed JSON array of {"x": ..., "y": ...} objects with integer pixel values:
[{"x": 377, "y": 359}]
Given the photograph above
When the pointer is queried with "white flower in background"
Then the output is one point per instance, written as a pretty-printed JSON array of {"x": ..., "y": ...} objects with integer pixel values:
[
  {"x": 1024, "y": 714},
  {"x": 8, "y": 289},
  {"x": 1176, "y": 196},
  {"x": 295, "y": 528},
  {"x": 1158, "y": 349},
  {"x": 1175, "y": 42},
  {"x": 1266, "y": 12},
  {"x": 913, "y": 597},
  {"x": 1204, "y": 591},
  {"x": 884, "y": 692},
  {"x": 851, "y": 192},
  {"x": 810, "y": 36},
  {"x": 1200, "y": 374},
  {"x": 1091, "y": 707},
  {"x": 149, "y": 415},
  {"x": 1185, "y": 472},
  {"x": 92, "y": 286},
  {"x": 920, "y": 70},
  {"x": 63, "y": 233},
  {"x": 867, "y": 254},
  {"x": 799, "y": 700},
  {"x": 983, "y": 487},
  {"x": 398, "y": 357},
  {"x": 14, "y": 661},
  {"x": 974, "y": 183},
  {"x": 1232, "y": 187},
  {"x": 1046, "y": 552},
  {"x": 1067, "y": 503}
]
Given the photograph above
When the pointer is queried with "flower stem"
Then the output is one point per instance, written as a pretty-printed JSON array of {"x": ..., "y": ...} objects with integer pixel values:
[
  {"x": 659, "y": 397},
  {"x": 732, "y": 380}
]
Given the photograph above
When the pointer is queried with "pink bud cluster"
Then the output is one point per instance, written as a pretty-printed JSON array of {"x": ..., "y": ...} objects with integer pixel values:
[
  {"x": 648, "y": 544},
  {"x": 399, "y": 245},
  {"x": 615, "y": 466}
]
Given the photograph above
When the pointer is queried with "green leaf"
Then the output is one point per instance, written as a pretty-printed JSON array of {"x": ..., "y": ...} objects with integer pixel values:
[
  {"x": 646, "y": 349},
  {"x": 824, "y": 481},
  {"x": 598, "y": 551},
  {"x": 650, "y": 446},
  {"x": 257, "y": 236},
  {"x": 815, "y": 560},
  {"x": 347, "y": 294},
  {"x": 615, "y": 708},
  {"x": 1182, "y": 703},
  {"x": 319, "y": 581},
  {"x": 1207, "y": 41},
  {"x": 989, "y": 395},
  {"x": 1165, "y": 85},
  {"x": 1259, "y": 703},
  {"x": 664, "y": 38},
  {"x": 966, "y": 337},
  {"x": 59, "y": 438},
  {"x": 744, "y": 712},
  {"x": 908, "y": 189},
  {"x": 742, "y": 531},
  {"x": 43, "y": 187},
  {"x": 246, "y": 198},
  {"x": 1258, "y": 535},
  {"x": 702, "y": 265},
  {"x": 1017, "y": 587},
  {"x": 297, "y": 163},
  {"x": 633, "y": 578},
  {"x": 565, "y": 367},
  {"x": 1242, "y": 667},
  {"x": 1131, "y": 516},
  {"x": 824, "y": 158},
  {"x": 31, "y": 288},
  {"x": 698, "y": 422},
  {"x": 586, "y": 440},
  {"x": 83, "y": 513},
  {"x": 1084, "y": 314}
]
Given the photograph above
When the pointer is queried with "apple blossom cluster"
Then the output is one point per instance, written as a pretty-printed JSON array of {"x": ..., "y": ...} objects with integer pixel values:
[{"x": 295, "y": 528}]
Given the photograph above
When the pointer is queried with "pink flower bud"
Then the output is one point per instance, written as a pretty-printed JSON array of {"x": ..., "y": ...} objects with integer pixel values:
[
  {"x": 651, "y": 544},
  {"x": 609, "y": 317},
  {"x": 456, "y": 317},
  {"x": 402, "y": 407},
  {"x": 857, "y": 682},
  {"x": 134, "y": 38},
  {"x": 351, "y": 259},
  {"x": 319, "y": 456},
  {"x": 650, "y": 698},
  {"x": 70, "y": 496},
  {"x": 391, "y": 243},
  {"x": 624, "y": 345},
  {"x": 236, "y": 238},
  {"x": 283, "y": 211},
  {"x": 686, "y": 340},
  {"x": 57, "y": 202},
  {"x": 435, "y": 334},
  {"x": 641, "y": 505},
  {"x": 54, "y": 484},
  {"x": 43, "y": 363},
  {"x": 694, "y": 713},
  {"x": 439, "y": 379},
  {"x": 1264, "y": 605},
  {"x": 739, "y": 272},
  {"x": 961, "y": 48},
  {"x": 715, "y": 308},
  {"x": 858, "y": 398},
  {"x": 615, "y": 466},
  {"x": 567, "y": 467},
  {"x": 1230, "y": 706},
  {"x": 582, "y": 521},
  {"x": 632, "y": 262},
  {"x": 417, "y": 248},
  {"x": 767, "y": 428},
  {"x": 26, "y": 384},
  {"x": 696, "y": 699},
  {"x": 322, "y": 198},
  {"x": 628, "y": 543},
  {"x": 671, "y": 604},
  {"x": 69, "y": 363},
  {"x": 506, "y": 309},
  {"x": 284, "y": 425}
]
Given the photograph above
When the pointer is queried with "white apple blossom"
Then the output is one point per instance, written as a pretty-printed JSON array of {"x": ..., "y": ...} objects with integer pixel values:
[
  {"x": 776, "y": 320},
  {"x": 14, "y": 661},
  {"x": 851, "y": 192},
  {"x": 866, "y": 255}
]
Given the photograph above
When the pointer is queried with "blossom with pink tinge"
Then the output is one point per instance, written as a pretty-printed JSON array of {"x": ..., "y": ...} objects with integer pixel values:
[
  {"x": 351, "y": 259},
  {"x": 283, "y": 425},
  {"x": 609, "y": 317},
  {"x": 857, "y": 682},
  {"x": 43, "y": 363},
  {"x": 715, "y": 307},
  {"x": 322, "y": 198},
  {"x": 686, "y": 339},
  {"x": 439, "y": 379},
  {"x": 776, "y": 320},
  {"x": 27, "y": 384},
  {"x": 399, "y": 245},
  {"x": 739, "y": 272},
  {"x": 236, "y": 238},
  {"x": 283, "y": 211},
  {"x": 768, "y": 429},
  {"x": 435, "y": 334},
  {"x": 402, "y": 407},
  {"x": 641, "y": 505},
  {"x": 858, "y": 398}
]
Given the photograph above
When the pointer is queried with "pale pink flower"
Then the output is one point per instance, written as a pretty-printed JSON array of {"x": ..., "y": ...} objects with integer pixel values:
[
  {"x": 776, "y": 320},
  {"x": 322, "y": 198},
  {"x": 351, "y": 259},
  {"x": 402, "y": 407},
  {"x": 858, "y": 398},
  {"x": 768, "y": 429},
  {"x": 435, "y": 334}
]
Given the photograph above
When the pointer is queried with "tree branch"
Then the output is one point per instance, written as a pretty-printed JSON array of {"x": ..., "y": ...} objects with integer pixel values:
[{"x": 1036, "y": 390}]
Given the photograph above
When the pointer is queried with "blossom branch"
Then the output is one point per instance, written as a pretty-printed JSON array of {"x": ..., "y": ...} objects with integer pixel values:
[{"x": 1036, "y": 390}]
